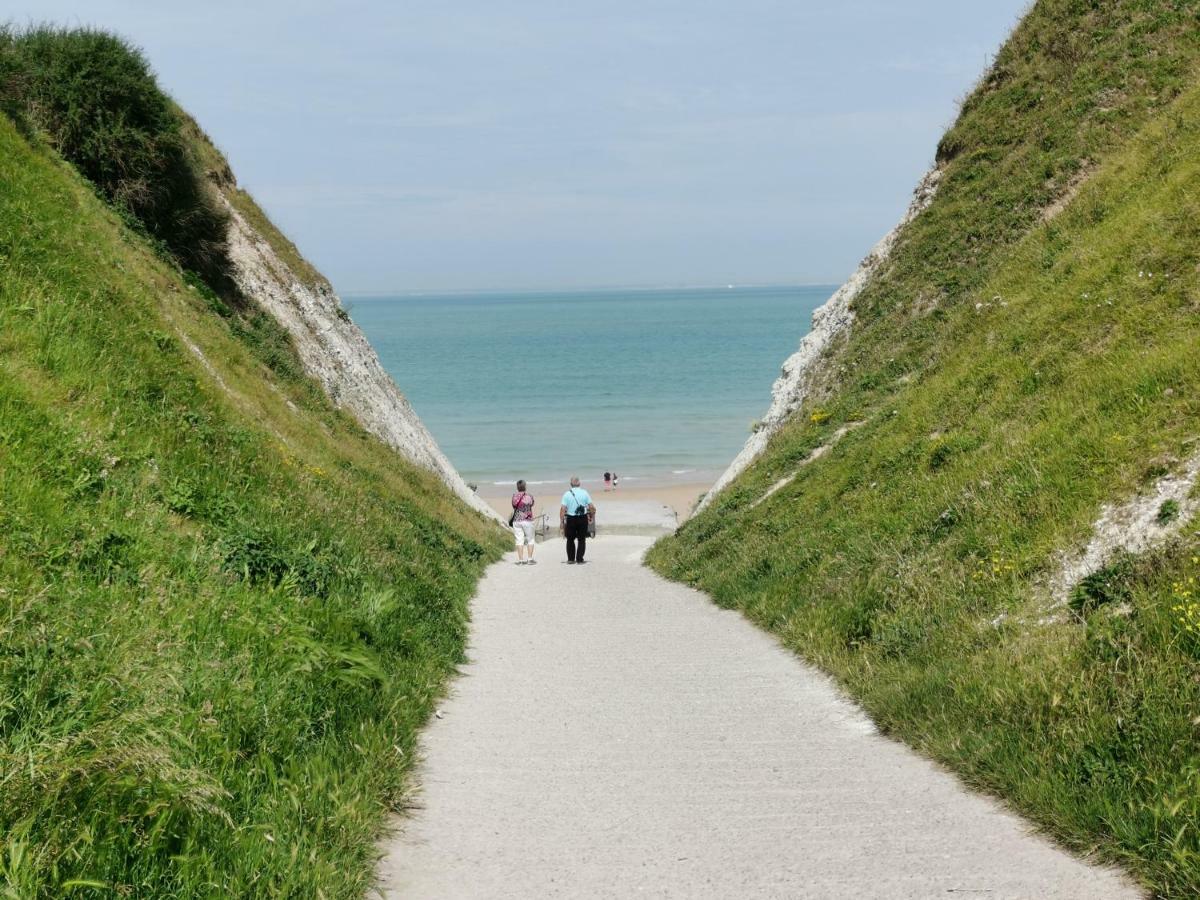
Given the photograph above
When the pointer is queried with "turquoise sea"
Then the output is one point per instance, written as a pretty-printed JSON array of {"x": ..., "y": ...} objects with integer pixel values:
[{"x": 657, "y": 385}]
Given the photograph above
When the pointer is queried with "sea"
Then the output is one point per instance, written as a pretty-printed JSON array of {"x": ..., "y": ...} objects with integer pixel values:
[{"x": 657, "y": 385}]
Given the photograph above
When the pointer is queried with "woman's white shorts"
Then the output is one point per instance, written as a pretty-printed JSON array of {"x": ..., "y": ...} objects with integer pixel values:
[{"x": 524, "y": 533}]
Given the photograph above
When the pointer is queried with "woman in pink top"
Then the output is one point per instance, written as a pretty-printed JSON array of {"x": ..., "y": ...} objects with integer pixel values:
[{"x": 522, "y": 524}]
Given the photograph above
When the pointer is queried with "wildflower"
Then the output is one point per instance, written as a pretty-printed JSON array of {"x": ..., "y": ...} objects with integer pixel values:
[{"x": 1185, "y": 609}]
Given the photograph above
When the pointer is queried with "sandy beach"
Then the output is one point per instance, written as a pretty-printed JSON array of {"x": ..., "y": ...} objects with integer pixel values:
[{"x": 626, "y": 510}]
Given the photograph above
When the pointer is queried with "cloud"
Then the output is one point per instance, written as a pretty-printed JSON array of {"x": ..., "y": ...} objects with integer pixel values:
[{"x": 423, "y": 143}]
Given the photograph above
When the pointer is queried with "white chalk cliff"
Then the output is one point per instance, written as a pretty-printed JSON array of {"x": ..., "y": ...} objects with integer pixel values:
[
  {"x": 830, "y": 321},
  {"x": 336, "y": 353},
  {"x": 1132, "y": 526}
]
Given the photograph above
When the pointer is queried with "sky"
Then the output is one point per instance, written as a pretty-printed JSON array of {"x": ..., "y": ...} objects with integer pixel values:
[{"x": 425, "y": 146}]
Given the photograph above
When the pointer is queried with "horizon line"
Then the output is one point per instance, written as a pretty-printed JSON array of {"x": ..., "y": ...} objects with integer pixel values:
[{"x": 578, "y": 289}]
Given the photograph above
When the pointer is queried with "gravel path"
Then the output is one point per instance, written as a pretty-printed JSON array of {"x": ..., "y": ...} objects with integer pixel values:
[{"x": 616, "y": 734}]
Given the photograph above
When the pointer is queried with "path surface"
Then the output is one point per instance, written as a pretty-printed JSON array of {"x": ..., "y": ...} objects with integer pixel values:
[{"x": 617, "y": 735}]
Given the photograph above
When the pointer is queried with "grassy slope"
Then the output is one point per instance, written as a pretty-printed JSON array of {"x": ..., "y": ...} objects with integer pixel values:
[
  {"x": 1012, "y": 376},
  {"x": 224, "y": 609}
]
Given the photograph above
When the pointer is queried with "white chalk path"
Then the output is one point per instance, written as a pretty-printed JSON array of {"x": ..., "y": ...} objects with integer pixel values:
[{"x": 618, "y": 735}]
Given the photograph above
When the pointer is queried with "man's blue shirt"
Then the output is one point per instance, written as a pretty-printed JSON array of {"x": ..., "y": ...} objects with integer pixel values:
[{"x": 576, "y": 501}]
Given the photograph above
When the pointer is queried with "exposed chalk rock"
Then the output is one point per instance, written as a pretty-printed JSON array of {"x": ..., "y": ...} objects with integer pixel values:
[
  {"x": 335, "y": 352},
  {"x": 829, "y": 322},
  {"x": 814, "y": 455},
  {"x": 1130, "y": 527}
]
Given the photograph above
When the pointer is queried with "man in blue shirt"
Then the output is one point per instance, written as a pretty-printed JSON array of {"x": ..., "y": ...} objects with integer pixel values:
[{"x": 573, "y": 520}]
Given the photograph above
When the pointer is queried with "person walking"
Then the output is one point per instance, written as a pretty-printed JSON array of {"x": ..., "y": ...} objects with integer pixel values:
[
  {"x": 522, "y": 524},
  {"x": 607, "y": 481},
  {"x": 573, "y": 516}
]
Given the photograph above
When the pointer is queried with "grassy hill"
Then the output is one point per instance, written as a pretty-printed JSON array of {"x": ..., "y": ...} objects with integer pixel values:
[
  {"x": 224, "y": 608},
  {"x": 1030, "y": 352}
]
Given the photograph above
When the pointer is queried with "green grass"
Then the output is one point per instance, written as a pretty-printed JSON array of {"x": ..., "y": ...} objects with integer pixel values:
[
  {"x": 1012, "y": 376},
  {"x": 225, "y": 610},
  {"x": 96, "y": 101}
]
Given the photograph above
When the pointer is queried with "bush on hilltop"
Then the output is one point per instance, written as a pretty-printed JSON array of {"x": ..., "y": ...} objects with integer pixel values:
[{"x": 98, "y": 103}]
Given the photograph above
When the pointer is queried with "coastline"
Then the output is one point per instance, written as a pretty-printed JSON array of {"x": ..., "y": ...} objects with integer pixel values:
[
  {"x": 650, "y": 508},
  {"x": 656, "y": 413}
]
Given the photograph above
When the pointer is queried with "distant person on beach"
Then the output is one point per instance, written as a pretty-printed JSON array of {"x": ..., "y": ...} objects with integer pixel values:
[
  {"x": 522, "y": 524},
  {"x": 614, "y": 481},
  {"x": 573, "y": 520},
  {"x": 607, "y": 481}
]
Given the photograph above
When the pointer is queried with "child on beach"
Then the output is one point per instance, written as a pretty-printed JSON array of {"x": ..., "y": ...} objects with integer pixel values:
[{"x": 608, "y": 481}]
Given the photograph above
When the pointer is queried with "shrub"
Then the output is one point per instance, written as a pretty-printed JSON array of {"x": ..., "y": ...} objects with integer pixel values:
[
  {"x": 10, "y": 80},
  {"x": 99, "y": 105}
]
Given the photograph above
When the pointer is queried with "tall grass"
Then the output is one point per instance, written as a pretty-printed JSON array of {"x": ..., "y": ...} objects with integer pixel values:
[
  {"x": 1012, "y": 375},
  {"x": 224, "y": 609},
  {"x": 96, "y": 99}
]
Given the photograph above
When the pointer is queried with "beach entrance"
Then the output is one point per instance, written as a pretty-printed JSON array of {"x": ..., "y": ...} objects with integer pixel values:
[{"x": 618, "y": 735}]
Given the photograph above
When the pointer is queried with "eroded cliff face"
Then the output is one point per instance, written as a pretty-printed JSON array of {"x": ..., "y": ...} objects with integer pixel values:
[
  {"x": 336, "y": 353},
  {"x": 831, "y": 321}
]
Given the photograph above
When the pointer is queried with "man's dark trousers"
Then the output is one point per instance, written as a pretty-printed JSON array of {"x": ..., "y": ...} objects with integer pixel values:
[{"x": 577, "y": 529}]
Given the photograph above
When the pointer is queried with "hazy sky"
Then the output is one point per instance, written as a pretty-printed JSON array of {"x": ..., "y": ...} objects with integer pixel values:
[{"x": 428, "y": 145}]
